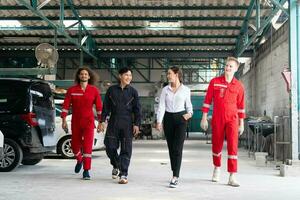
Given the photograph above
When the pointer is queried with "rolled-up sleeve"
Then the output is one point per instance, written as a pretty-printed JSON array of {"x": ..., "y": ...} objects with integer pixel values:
[
  {"x": 162, "y": 106},
  {"x": 188, "y": 102}
]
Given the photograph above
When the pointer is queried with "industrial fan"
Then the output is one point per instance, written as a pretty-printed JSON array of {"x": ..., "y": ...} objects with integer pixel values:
[{"x": 46, "y": 55}]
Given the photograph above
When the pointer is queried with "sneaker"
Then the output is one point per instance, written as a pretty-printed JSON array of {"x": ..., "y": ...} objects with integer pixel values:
[
  {"x": 173, "y": 183},
  {"x": 123, "y": 180},
  {"x": 232, "y": 181},
  {"x": 216, "y": 174},
  {"x": 115, "y": 173},
  {"x": 86, "y": 175},
  {"x": 78, "y": 167}
]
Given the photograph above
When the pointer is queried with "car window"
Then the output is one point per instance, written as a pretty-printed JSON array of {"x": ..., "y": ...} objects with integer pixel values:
[
  {"x": 42, "y": 95},
  {"x": 14, "y": 97}
]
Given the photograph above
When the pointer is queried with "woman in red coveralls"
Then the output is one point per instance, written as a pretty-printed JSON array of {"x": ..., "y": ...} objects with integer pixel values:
[
  {"x": 82, "y": 97},
  {"x": 227, "y": 95}
]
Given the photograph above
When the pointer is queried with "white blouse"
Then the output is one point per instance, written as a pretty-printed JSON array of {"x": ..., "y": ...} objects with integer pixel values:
[{"x": 174, "y": 102}]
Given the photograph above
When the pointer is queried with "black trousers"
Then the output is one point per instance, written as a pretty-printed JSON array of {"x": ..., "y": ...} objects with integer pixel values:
[
  {"x": 119, "y": 131},
  {"x": 175, "y": 131}
]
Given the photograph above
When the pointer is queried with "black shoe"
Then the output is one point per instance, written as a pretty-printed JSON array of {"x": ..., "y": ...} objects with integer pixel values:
[
  {"x": 86, "y": 175},
  {"x": 78, "y": 167},
  {"x": 173, "y": 183},
  {"x": 115, "y": 173}
]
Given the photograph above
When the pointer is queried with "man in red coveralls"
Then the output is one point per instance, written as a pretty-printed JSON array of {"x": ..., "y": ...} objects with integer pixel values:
[
  {"x": 227, "y": 95},
  {"x": 82, "y": 97}
]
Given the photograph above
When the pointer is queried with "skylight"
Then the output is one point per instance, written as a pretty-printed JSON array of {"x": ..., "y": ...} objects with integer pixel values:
[{"x": 10, "y": 23}]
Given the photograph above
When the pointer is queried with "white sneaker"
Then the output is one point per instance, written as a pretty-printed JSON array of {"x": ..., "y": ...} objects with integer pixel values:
[
  {"x": 173, "y": 183},
  {"x": 216, "y": 174},
  {"x": 232, "y": 181}
]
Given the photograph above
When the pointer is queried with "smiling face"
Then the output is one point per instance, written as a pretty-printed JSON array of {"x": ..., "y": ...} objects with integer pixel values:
[
  {"x": 125, "y": 78},
  {"x": 84, "y": 76},
  {"x": 231, "y": 67}
]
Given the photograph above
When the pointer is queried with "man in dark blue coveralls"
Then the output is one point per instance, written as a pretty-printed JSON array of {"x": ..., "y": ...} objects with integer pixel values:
[{"x": 122, "y": 105}]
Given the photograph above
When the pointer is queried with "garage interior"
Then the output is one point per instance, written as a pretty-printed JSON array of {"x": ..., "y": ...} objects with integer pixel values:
[{"x": 150, "y": 36}]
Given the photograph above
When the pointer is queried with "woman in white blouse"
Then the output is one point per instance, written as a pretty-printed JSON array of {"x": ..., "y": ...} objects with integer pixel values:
[{"x": 175, "y": 108}]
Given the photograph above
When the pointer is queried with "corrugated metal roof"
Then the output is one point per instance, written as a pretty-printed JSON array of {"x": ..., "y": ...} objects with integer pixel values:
[{"x": 107, "y": 35}]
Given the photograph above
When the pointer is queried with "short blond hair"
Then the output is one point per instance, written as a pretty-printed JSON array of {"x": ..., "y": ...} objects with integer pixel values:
[{"x": 233, "y": 59}]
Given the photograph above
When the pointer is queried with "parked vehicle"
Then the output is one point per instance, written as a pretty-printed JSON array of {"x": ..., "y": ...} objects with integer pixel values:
[
  {"x": 63, "y": 140},
  {"x": 27, "y": 121}
]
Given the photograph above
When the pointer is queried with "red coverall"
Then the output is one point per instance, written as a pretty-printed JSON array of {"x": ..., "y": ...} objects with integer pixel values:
[
  {"x": 82, "y": 124},
  {"x": 228, "y": 108}
]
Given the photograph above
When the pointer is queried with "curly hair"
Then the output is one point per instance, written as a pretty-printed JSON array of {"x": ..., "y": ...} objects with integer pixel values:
[{"x": 93, "y": 76}]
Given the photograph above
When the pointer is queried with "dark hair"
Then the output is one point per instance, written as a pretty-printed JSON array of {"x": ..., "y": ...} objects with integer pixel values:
[
  {"x": 178, "y": 71},
  {"x": 93, "y": 76},
  {"x": 124, "y": 70}
]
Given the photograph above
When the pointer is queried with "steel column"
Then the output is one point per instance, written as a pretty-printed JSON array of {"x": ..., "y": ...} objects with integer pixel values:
[{"x": 294, "y": 58}]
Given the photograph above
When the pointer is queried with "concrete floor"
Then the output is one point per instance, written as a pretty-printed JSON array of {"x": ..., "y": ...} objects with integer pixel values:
[{"x": 149, "y": 175}]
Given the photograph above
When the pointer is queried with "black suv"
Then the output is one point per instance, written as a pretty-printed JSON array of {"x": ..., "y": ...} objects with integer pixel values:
[{"x": 27, "y": 121}]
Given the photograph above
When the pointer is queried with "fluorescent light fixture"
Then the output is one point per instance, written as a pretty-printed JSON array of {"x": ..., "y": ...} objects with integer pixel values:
[
  {"x": 10, "y": 23},
  {"x": 163, "y": 25},
  {"x": 86, "y": 23}
]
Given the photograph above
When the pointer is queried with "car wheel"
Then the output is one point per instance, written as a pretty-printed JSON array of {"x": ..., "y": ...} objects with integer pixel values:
[
  {"x": 64, "y": 147},
  {"x": 12, "y": 156},
  {"x": 31, "y": 161}
]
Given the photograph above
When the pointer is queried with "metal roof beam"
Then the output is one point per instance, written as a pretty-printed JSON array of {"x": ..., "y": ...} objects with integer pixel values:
[
  {"x": 160, "y": 7},
  {"x": 243, "y": 36},
  {"x": 169, "y": 54},
  {"x": 26, "y": 71},
  {"x": 24, "y": 45},
  {"x": 277, "y": 4},
  {"x": 95, "y": 28},
  {"x": 245, "y": 44},
  {"x": 131, "y": 36},
  {"x": 55, "y": 26},
  {"x": 127, "y": 18},
  {"x": 135, "y": 54}
]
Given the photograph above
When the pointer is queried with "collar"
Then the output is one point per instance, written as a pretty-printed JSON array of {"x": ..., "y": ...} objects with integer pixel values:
[
  {"x": 79, "y": 86},
  {"x": 170, "y": 88},
  {"x": 126, "y": 87},
  {"x": 233, "y": 81}
]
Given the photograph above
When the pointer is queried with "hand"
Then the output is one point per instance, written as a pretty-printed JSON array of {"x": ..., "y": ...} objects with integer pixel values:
[
  {"x": 187, "y": 116},
  {"x": 101, "y": 127},
  {"x": 136, "y": 131},
  {"x": 65, "y": 125},
  {"x": 241, "y": 129},
  {"x": 204, "y": 124},
  {"x": 158, "y": 126}
]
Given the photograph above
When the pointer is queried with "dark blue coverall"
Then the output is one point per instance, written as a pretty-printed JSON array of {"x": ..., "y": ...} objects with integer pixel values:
[{"x": 124, "y": 111}]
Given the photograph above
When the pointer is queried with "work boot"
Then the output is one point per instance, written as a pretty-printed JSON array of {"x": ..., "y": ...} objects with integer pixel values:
[
  {"x": 216, "y": 174},
  {"x": 232, "y": 181},
  {"x": 78, "y": 167},
  {"x": 123, "y": 180},
  {"x": 115, "y": 173},
  {"x": 86, "y": 175}
]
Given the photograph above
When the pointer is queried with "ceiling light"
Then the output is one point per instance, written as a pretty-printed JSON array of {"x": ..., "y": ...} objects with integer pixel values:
[{"x": 163, "y": 25}]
